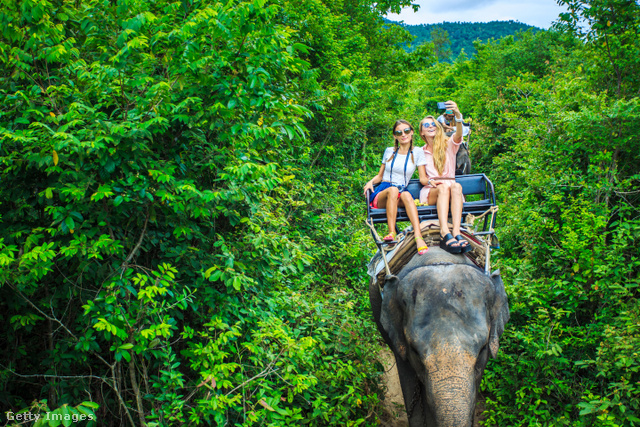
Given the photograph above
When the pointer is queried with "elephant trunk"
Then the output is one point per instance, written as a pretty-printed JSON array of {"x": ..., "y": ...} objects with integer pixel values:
[
  {"x": 454, "y": 401},
  {"x": 451, "y": 388}
]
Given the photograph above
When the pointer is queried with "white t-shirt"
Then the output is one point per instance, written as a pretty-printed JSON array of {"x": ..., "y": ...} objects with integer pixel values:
[
  {"x": 442, "y": 120},
  {"x": 398, "y": 176}
]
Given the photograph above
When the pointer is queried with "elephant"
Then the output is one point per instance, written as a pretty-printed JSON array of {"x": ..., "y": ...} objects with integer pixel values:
[
  {"x": 463, "y": 161},
  {"x": 442, "y": 317}
]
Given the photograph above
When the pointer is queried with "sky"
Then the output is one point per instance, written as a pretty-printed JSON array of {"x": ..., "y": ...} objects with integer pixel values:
[{"x": 539, "y": 13}]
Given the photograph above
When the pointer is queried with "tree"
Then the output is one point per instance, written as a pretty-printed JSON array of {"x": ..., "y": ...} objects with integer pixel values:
[
  {"x": 441, "y": 43},
  {"x": 610, "y": 27}
]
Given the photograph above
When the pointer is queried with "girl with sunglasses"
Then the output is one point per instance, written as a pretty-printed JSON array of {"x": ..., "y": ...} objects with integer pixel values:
[
  {"x": 442, "y": 190},
  {"x": 398, "y": 165}
]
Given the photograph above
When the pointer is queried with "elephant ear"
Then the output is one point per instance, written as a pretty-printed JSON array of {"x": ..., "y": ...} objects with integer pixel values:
[
  {"x": 391, "y": 317},
  {"x": 499, "y": 313}
]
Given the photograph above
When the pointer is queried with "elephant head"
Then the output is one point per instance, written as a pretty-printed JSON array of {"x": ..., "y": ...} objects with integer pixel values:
[{"x": 442, "y": 317}]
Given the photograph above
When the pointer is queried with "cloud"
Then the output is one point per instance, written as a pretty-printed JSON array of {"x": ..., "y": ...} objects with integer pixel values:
[{"x": 455, "y": 5}]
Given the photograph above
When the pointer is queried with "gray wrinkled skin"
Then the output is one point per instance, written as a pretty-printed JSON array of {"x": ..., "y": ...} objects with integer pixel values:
[
  {"x": 463, "y": 161},
  {"x": 442, "y": 317}
]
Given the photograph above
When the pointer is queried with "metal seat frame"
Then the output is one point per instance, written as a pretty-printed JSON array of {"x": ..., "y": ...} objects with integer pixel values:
[{"x": 474, "y": 186}]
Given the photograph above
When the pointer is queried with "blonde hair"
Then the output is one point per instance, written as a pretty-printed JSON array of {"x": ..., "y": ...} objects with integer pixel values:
[{"x": 439, "y": 144}]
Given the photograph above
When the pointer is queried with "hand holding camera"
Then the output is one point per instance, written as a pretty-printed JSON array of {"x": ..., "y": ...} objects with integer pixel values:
[{"x": 450, "y": 107}]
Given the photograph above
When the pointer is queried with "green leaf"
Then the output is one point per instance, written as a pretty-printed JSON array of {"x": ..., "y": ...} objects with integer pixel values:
[
  {"x": 69, "y": 223},
  {"x": 301, "y": 47},
  {"x": 90, "y": 404},
  {"x": 66, "y": 416},
  {"x": 56, "y": 418}
]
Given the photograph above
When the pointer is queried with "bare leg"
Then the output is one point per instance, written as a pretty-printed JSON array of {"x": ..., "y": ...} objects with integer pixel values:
[
  {"x": 441, "y": 199},
  {"x": 442, "y": 206},
  {"x": 456, "y": 207},
  {"x": 406, "y": 200},
  {"x": 389, "y": 199},
  {"x": 456, "y": 211}
]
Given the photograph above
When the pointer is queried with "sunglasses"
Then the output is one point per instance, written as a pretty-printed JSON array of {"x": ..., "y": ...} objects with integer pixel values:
[
  {"x": 406, "y": 131},
  {"x": 427, "y": 125}
]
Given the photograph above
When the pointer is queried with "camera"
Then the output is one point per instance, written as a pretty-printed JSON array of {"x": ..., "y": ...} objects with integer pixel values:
[{"x": 442, "y": 106}]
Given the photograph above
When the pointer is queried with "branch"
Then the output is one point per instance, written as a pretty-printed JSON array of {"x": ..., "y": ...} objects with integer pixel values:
[
  {"x": 616, "y": 69},
  {"x": 136, "y": 391},
  {"x": 262, "y": 374},
  {"x": 135, "y": 249},
  {"x": 267, "y": 371},
  {"x": 67, "y": 377},
  {"x": 115, "y": 388},
  {"x": 324, "y": 143},
  {"x": 54, "y": 319},
  {"x": 626, "y": 192}
]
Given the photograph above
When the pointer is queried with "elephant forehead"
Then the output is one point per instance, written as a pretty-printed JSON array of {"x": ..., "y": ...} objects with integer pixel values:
[
  {"x": 446, "y": 310},
  {"x": 443, "y": 285}
]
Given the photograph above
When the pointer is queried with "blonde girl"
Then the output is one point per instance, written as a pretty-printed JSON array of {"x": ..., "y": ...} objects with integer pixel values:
[{"x": 442, "y": 190}]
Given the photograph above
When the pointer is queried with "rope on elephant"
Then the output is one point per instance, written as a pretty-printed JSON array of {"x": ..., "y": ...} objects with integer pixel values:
[
  {"x": 472, "y": 218},
  {"x": 406, "y": 249}
]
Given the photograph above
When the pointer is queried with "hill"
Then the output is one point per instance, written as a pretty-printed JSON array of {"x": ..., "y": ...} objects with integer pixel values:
[{"x": 463, "y": 34}]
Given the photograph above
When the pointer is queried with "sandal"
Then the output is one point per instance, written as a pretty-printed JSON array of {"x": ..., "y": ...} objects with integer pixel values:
[
  {"x": 449, "y": 247},
  {"x": 465, "y": 246},
  {"x": 421, "y": 249},
  {"x": 389, "y": 240},
  {"x": 389, "y": 237}
]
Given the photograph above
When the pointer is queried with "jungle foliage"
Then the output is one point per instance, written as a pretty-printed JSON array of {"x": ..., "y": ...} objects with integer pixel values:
[
  {"x": 462, "y": 35},
  {"x": 172, "y": 251},
  {"x": 181, "y": 236}
]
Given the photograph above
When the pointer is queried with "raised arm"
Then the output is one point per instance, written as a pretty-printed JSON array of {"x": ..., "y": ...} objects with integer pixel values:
[{"x": 457, "y": 136}]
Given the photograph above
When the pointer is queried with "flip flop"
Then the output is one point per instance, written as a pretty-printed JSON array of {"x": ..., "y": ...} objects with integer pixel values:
[
  {"x": 389, "y": 237},
  {"x": 422, "y": 249}
]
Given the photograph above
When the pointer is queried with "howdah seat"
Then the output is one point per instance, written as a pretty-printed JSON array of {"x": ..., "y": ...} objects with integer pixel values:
[{"x": 479, "y": 198}]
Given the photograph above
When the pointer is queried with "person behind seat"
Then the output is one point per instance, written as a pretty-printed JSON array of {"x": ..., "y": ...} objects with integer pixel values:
[
  {"x": 447, "y": 121},
  {"x": 398, "y": 165},
  {"x": 442, "y": 189}
]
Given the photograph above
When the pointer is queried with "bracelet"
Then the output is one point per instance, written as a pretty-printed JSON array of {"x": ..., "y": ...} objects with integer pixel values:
[{"x": 459, "y": 120}]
